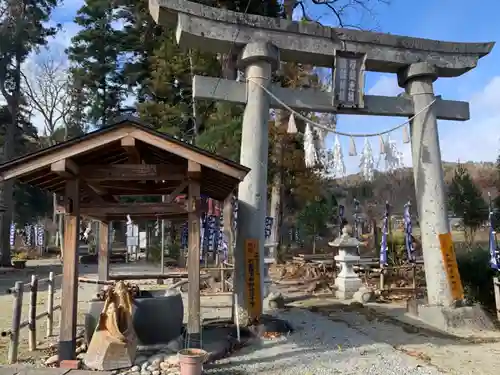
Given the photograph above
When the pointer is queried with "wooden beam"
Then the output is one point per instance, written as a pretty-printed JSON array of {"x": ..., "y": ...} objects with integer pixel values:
[
  {"x": 65, "y": 168},
  {"x": 93, "y": 194},
  {"x": 104, "y": 250},
  {"x": 138, "y": 208},
  {"x": 129, "y": 144},
  {"x": 137, "y": 186},
  {"x": 145, "y": 191},
  {"x": 144, "y": 217},
  {"x": 194, "y": 318},
  {"x": 311, "y": 100},
  {"x": 47, "y": 159},
  {"x": 151, "y": 189},
  {"x": 178, "y": 190},
  {"x": 68, "y": 169},
  {"x": 188, "y": 153},
  {"x": 69, "y": 297},
  {"x": 132, "y": 172}
]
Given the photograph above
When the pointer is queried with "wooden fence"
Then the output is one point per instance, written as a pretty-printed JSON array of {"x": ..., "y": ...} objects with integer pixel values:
[{"x": 17, "y": 324}]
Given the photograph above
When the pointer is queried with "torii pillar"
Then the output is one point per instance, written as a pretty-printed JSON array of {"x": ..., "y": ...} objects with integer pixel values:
[
  {"x": 259, "y": 59},
  {"x": 417, "y": 79},
  {"x": 219, "y": 30}
]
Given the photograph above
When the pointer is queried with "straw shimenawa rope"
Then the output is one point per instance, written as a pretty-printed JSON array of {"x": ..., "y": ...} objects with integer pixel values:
[{"x": 359, "y": 135}]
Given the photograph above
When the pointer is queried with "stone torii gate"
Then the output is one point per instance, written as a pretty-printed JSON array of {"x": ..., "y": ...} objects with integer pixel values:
[{"x": 262, "y": 41}]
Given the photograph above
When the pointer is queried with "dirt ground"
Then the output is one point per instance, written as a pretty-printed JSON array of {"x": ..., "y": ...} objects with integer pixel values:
[
  {"x": 212, "y": 307},
  {"x": 449, "y": 354}
]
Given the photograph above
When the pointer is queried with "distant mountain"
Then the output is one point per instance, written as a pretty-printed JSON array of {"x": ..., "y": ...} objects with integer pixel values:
[{"x": 398, "y": 187}]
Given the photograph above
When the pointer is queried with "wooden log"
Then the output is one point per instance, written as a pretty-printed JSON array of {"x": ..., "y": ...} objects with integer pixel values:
[
  {"x": 32, "y": 313},
  {"x": 17, "y": 306},
  {"x": 150, "y": 276},
  {"x": 95, "y": 281},
  {"x": 26, "y": 287},
  {"x": 50, "y": 304}
]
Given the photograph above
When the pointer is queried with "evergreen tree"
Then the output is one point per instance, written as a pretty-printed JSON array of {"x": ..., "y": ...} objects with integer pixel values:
[
  {"x": 141, "y": 37},
  {"x": 465, "y": 200},
  {"x": 23, "y": 28},
  {"x": 75, "y": 119},
  {"x": 96, "y": 55},
  {"x": 30, "y": 202},
  {"x": 313, "y": 219},
  {"x": 170, "y": 109}
]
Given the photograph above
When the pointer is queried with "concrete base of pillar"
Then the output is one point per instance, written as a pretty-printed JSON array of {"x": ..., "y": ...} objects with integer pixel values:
[
  {"x": 347, "y": 286},
  {"x": 449, "y": 319}
]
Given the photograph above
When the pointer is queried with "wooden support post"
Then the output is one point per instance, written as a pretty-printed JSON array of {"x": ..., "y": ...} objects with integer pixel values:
[
  {"x": 193, "y": 325},
  {"x": 222, "y": 277},
  {"x": 382, "y": 279},
  {"x": 50, "y": 304},
  {"x": 69, "y": 298},
  {"x": 496, "y": 289},
  {"x": 414, "y": 277},
  {"x": 17, "y": 306},
  {"x": 104, "y": 253},
  {"x": 32, "y": 313},
  {"x": 228, "y": 214}
]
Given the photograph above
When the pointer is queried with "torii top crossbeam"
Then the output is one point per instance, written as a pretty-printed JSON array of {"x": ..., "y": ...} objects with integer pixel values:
[{"x": 216, "y": 30}]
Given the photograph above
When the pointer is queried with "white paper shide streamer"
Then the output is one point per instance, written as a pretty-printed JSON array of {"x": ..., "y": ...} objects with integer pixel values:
[
  {"x": 310, "y": 152},
  {"x": 338, "y": 165},
  {"x": 367, "y": 162},
  {"x": 392, "y": 156}
]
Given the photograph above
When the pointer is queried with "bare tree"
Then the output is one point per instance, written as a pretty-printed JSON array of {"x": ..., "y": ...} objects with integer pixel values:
[
  {"x": 46, "y": 90},
  {"x": 344, "y": 10}
]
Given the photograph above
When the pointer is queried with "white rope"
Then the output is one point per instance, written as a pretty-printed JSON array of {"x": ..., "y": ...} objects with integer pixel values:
[{"x": 313, "y": 123}]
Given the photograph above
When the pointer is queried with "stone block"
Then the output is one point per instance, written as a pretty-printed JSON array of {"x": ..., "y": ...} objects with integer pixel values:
[
  {"x": 110, "y": 352},
  {"x": 156, "y": 320},
  {"x": 347, "y": 286},
  {"x": 364, "y": 295},
  {"x": 450, "y": 319},
  {"x": 72, "y": 364}
]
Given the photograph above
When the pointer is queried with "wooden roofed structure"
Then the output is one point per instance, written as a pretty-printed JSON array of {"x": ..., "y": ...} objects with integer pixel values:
[{"x": 126, "y": 158}]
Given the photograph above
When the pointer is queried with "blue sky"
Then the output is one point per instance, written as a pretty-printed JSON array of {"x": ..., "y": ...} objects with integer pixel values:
[{"x": 452, "y": 20}]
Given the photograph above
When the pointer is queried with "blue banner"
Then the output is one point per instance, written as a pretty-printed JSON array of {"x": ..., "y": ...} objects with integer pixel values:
[
  {"x": 268, "y": 226},
  {"x": 28, "y": 235},
  {"x": 39, "y": 235},
  {"x": 184, "y": 236},
  {"x": 385, "y": 234},
  {"x": 211, "y": 232},
  {"x": 493, "y": 245},
  {"x": 12, "y": 237}
]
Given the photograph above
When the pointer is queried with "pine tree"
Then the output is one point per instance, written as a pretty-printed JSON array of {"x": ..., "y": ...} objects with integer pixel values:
[
  {"x": 465, "y": 199},
  {"x": 96, "y": 53}
]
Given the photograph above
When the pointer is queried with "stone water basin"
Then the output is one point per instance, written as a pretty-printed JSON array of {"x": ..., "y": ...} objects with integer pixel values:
[{"x": 157, "y": 318}]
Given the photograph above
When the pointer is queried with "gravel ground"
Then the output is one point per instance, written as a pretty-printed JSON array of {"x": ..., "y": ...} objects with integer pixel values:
[
  {"x": 320, "y": 346},
  {"x": 337, "y": 341}
]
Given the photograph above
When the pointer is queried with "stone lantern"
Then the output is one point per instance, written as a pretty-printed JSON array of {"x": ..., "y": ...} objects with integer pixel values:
[{"x": 347, "y": 281}]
